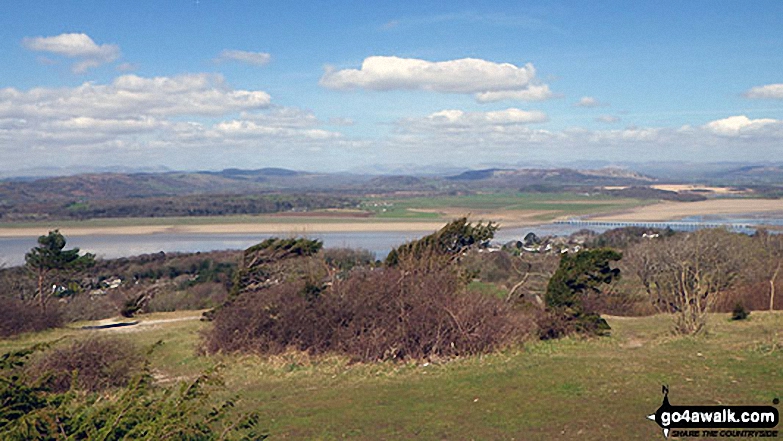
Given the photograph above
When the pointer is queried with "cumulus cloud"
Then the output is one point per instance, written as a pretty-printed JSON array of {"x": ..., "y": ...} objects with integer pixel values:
[
  {"x": 486, "y": 80},
  {"x": 588, "y": 101},
  {"x": 459, "y": 127},
  {"x": 498, "y": 117},
  {"x": 77, "y": 46},
  {"x": 147, "y": 121},
  {"x": 131, "y": 95},
  {"x": 770, "y": 91},
  {"x": 253, "y": 58},
  {"x": 475, "y": 137},
  {"x": 737, "y": 125}
]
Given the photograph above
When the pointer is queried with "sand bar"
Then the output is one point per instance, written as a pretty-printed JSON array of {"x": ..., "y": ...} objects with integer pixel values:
[
  {"x": 228, "y": 228},
  {"x": 665, "y": 211}
]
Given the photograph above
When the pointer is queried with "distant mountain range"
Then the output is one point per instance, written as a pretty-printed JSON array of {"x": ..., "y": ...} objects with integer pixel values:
[{"x": 121, "y": 186}]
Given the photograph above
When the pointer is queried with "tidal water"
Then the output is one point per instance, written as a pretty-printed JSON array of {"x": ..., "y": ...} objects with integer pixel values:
[{"x": 12, "y": 250}]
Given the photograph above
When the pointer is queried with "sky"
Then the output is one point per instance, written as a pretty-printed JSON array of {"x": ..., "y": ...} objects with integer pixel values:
[{"x": 358, "y": 86}]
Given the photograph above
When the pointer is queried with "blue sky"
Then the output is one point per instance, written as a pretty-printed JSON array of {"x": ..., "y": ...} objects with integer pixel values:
[{"x": 334, "y": 86}]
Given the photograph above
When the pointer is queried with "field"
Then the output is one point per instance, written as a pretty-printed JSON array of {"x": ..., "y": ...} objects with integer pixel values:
[
  {"x": 381, "y": 214},
  {"x": 587, "y": 389},
  {"x": 499, "y": 206}
]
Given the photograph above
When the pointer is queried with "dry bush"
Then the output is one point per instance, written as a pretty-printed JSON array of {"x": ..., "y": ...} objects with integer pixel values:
[
  {"x": 383, "y": 314},
  {"x": 753, "y": 296},
  {"x": 89, "y": 307},
  {"x": 201, "y": 296},
  {"x": 95, "y": 363},
  {"x": 17, "y": 317}
]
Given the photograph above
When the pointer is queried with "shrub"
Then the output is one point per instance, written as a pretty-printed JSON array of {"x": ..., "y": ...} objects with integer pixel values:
[
  {"x": 137, "y": 411},
  {"x": 95, "y": 363},
  {"x": 739, "y": 312},
  {"x": 17, "y": 317},
  {"x": 383, "y": 314}
]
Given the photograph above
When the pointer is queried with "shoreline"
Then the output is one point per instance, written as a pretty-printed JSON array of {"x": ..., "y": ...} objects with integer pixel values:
[
  {"x": 227, "y": 228},
  {"x": 657, "y": 212}
]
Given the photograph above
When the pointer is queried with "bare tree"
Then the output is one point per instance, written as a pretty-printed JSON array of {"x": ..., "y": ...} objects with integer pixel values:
[
  {"x": 684, "y": 274},
  {"x": 769, "y": 260}
]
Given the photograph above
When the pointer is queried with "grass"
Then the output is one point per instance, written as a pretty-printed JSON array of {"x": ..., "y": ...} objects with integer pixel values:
[
  {"x": 587, "y": 389},
  {"x": 555, "y": 204}
]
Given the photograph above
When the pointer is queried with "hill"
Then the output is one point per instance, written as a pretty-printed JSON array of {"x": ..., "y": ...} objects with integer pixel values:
[{"x": 590, "y": 389}]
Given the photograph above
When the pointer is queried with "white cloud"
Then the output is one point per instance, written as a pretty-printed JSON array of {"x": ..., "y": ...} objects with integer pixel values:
[
  {"x": 588, "y": 101},
  {"x": 736, "y": 125},
  {"x": 475, "y": 138},
  {"x": 131, "y": 96},
  {"x": 144, "y": 121},
  {"x": 78, "y": 46},
  {"x": 770, "y": 91},
  {"x": 498, "y": 117},
  {"x": 460, "y": 127},
  {"x": 487, "y": 80},
  {"x": 609, "y": 119},
  {"x": 534, "y": 92},
  {"x": 254, "y": 58}
]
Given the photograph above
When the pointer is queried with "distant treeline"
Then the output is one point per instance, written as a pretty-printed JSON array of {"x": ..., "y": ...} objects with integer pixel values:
[{"x": 191, "y": 205}]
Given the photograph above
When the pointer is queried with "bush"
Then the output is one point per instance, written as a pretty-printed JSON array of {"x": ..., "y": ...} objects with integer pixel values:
[
  {"x": 16, "y": 317},
  {"x": 201, "y": 296},
  {"x": 739, "y": 312},
  {"x": 383, "y": 314},
  {"x": 95, "y": 363},
  {"x": 137, "y": 411}
]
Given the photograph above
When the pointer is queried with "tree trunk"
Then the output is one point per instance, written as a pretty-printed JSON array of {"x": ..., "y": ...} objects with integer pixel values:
[
  {"x": 41, "y": 302},
  {"x": 772, "y": 288}
]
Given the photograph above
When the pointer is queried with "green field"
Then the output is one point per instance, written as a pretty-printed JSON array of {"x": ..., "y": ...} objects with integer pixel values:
[
  {"x": 587, "y": 389},
  {"x": 558, "y": 204}
]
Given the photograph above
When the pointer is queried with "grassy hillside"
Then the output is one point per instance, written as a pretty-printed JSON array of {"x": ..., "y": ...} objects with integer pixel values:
[{"x": 586, "y": 389}]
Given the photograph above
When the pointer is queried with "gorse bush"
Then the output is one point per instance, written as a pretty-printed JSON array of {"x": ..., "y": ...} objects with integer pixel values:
[
  {"x": 139, "y": 410},
  {"x": 383, "y": 314}
]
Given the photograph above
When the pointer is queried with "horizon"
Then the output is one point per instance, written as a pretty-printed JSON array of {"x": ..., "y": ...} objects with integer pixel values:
[{"x": 202, "y": 85}]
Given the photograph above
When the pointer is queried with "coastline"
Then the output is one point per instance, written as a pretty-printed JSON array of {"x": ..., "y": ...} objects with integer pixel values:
[
  {"x": 225, "y": 228},
  {"x": 657, "y": 212}
]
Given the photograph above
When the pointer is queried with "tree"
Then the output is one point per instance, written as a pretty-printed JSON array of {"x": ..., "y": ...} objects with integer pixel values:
[
  {"x": 683, "y": 274},
  {"x": 579, "y": 276},
  {"x": 50, "y": 256},
  {"x": 445, "y": 244},
  {"x": 770, "y": 260}
]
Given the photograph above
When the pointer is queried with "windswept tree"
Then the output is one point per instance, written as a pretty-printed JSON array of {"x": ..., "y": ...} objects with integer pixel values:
[
  {"x": 579, "y": 279},
  {"x": 51, "y": 257},
  {"x": 444, "y": 245}
]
